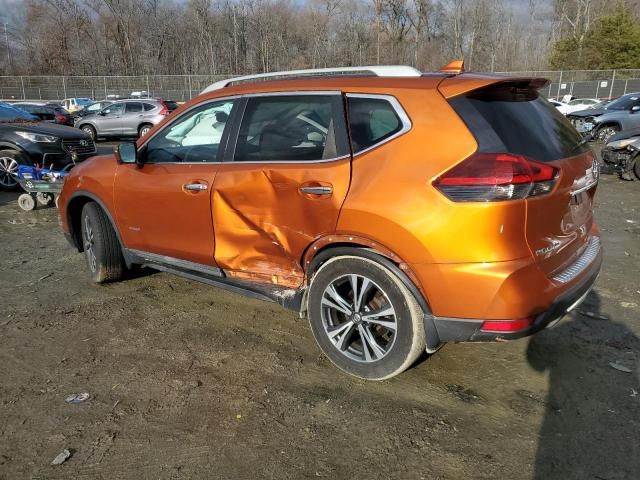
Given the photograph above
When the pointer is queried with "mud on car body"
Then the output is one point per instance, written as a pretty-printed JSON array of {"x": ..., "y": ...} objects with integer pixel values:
[{"x": 371, "y": 203}]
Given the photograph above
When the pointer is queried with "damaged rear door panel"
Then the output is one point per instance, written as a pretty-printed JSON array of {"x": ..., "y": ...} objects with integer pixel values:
[{"x": 288, "y": 175}]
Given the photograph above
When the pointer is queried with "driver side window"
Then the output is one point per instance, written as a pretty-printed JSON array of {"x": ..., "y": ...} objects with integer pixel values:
[
  {"x": 114, "y": 110},
  {"x": 194, "y": 137}
]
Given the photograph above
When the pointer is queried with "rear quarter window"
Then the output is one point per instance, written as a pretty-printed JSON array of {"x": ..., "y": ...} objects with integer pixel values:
[
  {"x": 371, "y": 121},
  {"x": 517, "y": 121}
]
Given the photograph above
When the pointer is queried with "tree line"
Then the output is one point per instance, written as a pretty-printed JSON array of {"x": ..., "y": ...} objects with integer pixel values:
[{"x": 137, "y": 37}]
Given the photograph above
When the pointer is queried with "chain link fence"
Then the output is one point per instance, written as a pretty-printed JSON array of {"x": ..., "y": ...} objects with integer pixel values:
[{"x": 577, "y": 83}]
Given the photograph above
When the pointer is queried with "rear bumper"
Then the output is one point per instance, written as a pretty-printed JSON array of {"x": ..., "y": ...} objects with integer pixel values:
[{"x": 469, "y": 330}]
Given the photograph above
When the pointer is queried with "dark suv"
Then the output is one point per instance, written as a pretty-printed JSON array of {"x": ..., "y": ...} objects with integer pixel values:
[{"x": 25, "y": 140}]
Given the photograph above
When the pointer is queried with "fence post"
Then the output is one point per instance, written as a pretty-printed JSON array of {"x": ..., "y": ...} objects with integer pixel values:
[
  {"x": 104, "y": 79},
  {"x": 613, "y": 79},
  {"x": 559, "y": 83},
  {"x": 148, "y": 89},
  {"x": 625, "y": 86},
  {"x": 64, "y": 88},
  {"x": 190, "y": 92},
  {"x": 24, "y": 96}
]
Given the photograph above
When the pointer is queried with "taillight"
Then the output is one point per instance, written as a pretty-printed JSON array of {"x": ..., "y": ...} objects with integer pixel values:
[
  {"x": 507, "y": 325},
  {"x": 165, "y": 109},
  {"x": 60, "y": 118},
  {"x": 490, "y": 177}
]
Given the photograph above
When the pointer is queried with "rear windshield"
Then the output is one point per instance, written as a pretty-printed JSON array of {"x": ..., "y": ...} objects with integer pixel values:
[{"x": 522, "y": 122}]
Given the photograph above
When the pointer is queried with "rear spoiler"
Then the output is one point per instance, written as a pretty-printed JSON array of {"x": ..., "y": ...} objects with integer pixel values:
[{"x": 464, "y": 83}]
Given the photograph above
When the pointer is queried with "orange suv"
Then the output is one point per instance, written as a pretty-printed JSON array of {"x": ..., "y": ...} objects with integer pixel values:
[{"x": 396, "y": 210}]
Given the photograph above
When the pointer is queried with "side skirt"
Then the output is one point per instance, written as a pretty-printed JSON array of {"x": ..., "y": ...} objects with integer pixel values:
[{"x": 289, "y": 298}]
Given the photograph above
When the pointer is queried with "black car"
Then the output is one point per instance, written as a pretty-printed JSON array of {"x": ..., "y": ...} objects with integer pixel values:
[
  {"x": 27, "y": 141},
  {"x": 46, "y": 112}
]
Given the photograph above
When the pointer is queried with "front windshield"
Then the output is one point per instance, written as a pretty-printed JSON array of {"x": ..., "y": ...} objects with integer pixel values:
[
  {"x": 83, "y": 101},
  {"x": 624, "y": 103}
]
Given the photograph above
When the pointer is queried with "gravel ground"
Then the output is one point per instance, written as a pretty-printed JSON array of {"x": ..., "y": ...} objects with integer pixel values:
[{"x": 187, "y": 381}]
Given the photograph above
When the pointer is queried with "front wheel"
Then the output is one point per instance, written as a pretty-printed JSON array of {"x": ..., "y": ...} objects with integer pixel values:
[
  {"x": 364, "y": 318},
  {"x": 9, "y": 161},
  {"x": 101, "y": 245},
  {"x": 606, "y": 132},
  {"x": 89, "y": 130}
]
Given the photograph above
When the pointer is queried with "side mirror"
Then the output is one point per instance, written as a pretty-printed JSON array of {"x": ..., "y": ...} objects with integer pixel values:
[
  {"x": 127, "y": 153},
  {"x": 635, "y": 108}
]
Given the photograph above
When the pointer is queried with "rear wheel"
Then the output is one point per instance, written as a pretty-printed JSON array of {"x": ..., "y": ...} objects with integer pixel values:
[
  {"x": 144, "y": 129},
  {"x": 89, "y": 130},
  {"x": 9, "y": 161},
  {"x": 364, "y": 319},
  {"x": 636, "y": 166},
  {"x": 101, "y": 245}
]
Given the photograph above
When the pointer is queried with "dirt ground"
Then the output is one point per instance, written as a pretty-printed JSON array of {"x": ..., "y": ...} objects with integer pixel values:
[{"x": 188, "y": 381}]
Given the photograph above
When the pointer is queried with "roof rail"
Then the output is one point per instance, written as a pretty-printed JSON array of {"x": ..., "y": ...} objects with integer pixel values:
[{"x": 379, "y": 71}]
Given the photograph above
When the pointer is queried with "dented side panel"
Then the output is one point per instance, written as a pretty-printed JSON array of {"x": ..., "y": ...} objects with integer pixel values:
[{"x": 262, "y": 221}]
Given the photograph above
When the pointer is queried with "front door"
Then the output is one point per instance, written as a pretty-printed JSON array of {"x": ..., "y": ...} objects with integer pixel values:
[
  {"x": 282, "y": 186},
  {"x": 164, "y": 207},
  {"x": 109, "y": 120}
]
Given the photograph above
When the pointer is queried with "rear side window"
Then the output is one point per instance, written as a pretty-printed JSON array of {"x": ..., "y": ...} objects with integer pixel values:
[
  {"x": 518, "y": 121},
  {"x": 371, "y": 121},
  {"x": 292, "y": 128},
  {"x": 133, "y": 108},
  {"x": 148, "y": 107}
]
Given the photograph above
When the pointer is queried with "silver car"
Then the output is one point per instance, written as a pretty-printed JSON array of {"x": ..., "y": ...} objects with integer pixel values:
[{"x": 126, "y": 118}]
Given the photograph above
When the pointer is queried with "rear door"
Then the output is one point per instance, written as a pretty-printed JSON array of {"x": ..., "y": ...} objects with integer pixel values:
[
  {"x": 287, "y": 174},
  {"x": 516, "y": 120},
  {"x": 132, "y": 118}
]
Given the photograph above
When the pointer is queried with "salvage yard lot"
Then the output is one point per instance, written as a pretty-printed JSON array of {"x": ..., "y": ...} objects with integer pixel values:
[{"x": 188, "y": 381}]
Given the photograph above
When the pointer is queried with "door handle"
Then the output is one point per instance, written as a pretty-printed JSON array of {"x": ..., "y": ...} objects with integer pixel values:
[
  {"x": 317, "y": 190},
  {"x": 195, "y": 187}
]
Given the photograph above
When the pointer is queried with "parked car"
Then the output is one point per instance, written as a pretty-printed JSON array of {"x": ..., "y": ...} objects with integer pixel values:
[
  {"x": 92, "y": 108},
  {"x": 583, "y": 120},
  {"x": 26, "y": 141},
  {"x": 393, "y": 227},
  {"x": 622, "y": 152},
  {"x": 557, "y": 104},
  {"x": 621, "y": 115},
  {"x": 72, "y": 105},
  {"x": 46, "y": 112},
  {"x": 577, "y": 105},
  {"x": 124, "y": 118}
]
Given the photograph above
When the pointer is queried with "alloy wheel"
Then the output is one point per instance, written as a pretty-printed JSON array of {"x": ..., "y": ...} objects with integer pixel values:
[
  {"x": 89, "y": 244},
  {"x": 144, "y": 131},
  {"x": 8, "y": 172},
  {"x": 358, "y": 318}
]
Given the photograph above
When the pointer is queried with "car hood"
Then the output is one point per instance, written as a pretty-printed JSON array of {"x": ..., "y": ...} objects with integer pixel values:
[
  {"x": 610, "y": 115},
  {"x": 46, "y": 128},
  {"x": 589, "y": 112}
]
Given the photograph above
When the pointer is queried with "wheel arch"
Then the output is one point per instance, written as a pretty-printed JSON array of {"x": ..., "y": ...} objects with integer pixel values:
[
  {"x": 342, "y": 245},
  {"x": 74, "y": 210},
  {"x": 12, "y": 146}
]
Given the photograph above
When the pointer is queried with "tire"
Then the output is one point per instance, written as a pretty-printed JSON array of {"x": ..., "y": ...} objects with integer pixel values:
[
  {"x": 605, "y": 132},
  {"x": 101, "y": 245},
  {"x": 9, "y": 161},
  {"x": 363, "y": 346},
  {"x": 636, "y": 166},
  {"x": 89, "y": 130},
  {"x": 44, "y": 199},
  {"x": 26, "y": 202},
  {"x": 144, "y": 129}
]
